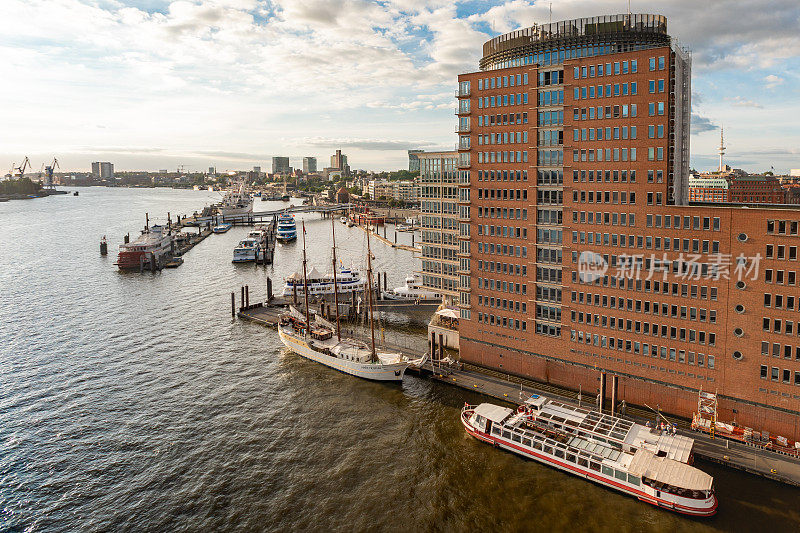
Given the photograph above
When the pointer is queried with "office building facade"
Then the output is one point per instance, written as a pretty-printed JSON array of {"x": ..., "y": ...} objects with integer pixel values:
[
  {"x": 309, "y": 165},
  {"x": 413, "y": 160},
  {"x": 438, "y": 197},
  {"x": 103, "y": 170},
  {"x": 581, "y": 262},
  {"x": 280, "y": 165}
]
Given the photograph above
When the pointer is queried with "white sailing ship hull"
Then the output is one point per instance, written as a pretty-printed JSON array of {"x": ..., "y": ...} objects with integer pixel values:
[
  {"x": 375, "y": 372},
  {"x": 231, "y": 211}
]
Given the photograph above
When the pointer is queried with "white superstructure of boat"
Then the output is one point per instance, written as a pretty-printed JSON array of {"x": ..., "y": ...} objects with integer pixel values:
[
  {"x": 286, "y": 230},
  {"x": 413, "y": 291},
  {"x": 651, "y": 465},
  {"x": 347, "y": 281},
  {"x": 236, "y": 202},
  {"x": 247, "y": 250}
]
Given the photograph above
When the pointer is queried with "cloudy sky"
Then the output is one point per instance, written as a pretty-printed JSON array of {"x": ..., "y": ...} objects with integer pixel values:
[{"x": 151, "y": 84}]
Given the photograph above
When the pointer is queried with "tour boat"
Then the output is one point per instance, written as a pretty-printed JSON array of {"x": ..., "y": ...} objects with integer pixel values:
[
  {"x": 347, "y": 281},
  {"x": 247, "y": 250},
  {"x": 315, "y": 339},
  {"x": 236, "y": 202},
  {"x": 413, "y": 291},
  {"x": 287, "y": 228},
  {"x": 154, "y": 244},
  {"x": 222, "y": 228},
  {"x": 651, "y": 465}
]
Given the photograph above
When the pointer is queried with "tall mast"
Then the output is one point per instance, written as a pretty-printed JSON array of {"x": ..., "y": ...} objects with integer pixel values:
[
  {"x": 305, "y": 281},
  {"x": 369, "y": 295},
  {"x": 335, "y": 285}
]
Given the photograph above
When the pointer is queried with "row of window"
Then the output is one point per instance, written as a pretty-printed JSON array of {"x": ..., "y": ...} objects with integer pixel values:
[
  {"x": 503, "y": 175},
  {"x": 775, "y": 374},
  {"x": 548, "y": 255},
  {"x": 552, "y": 97},
  {"x": 685, "y": 222},
  {"x": 502, "y": 286},
  {"x": 609, "y": 90},
  {"x": 502, "y": 100},
  {"x": 780, "y": 252},
  {"x": 502, "y": 303},
  {"x": 683, "y": 312},
  {"x": 550, "y": 177},
  {"x": 503, "y": 194},
  {"x": 610, "y": 175},
  {"x": 778, "y": 350},
  {"x": 604, "y": 197},
  {"x": 509, "y": 156},
  {"x": 502, "y": 119},
  {"x": 505, "y": 322},
  {"x": 446, "y": 208},
  {"x": 604, "y": 218},
  {"x": 502, "y": 268},
  {"x": 644, "y": 328},
  {"x": 611, "y": 154},
  {"x": 550, "y": 158},
  {"x": 504, "y": 212},
  {"x": 645, "y": 349},
  {"x": 779, "y": 301},
  {"x": 777, "y": 325},
  {"x": 782, "y": 227},
  {"x": 549, "y": 236},
  {"x": 437, "y": 252},
  {"x": 781, "y": 277},
  {"x": 550, "y": 118},
  {"x": 502, "y": 231},
  {"x": 683, "y": 290},
  {"x": 609, "y": 111},
  {"x": 604, "y": 134},
  {"x": 506, "y": 137},
  {"x": 502, "y": 249},
  {"x": 620, "y": 67},
  {"x": 497, "y": 82},
  {"x": 548, "y": 294}
]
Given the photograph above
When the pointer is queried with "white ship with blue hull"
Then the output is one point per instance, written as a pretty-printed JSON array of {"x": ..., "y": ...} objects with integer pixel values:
[{"x": 287, "y": 228}]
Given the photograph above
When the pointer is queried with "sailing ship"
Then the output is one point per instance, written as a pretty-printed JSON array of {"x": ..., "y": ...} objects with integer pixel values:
[
  {"x": 321, "y": 341},
  {"x": 651, "y": 465}
]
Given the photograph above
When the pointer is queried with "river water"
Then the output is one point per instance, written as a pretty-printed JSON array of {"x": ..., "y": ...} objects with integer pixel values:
[{"x": 132, "y": 402}]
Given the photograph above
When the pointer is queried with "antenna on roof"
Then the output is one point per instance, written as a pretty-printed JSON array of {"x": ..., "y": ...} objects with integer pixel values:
[{"x": 551, "y": 12}]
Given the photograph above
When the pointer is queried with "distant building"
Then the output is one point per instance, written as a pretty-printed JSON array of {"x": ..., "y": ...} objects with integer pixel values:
[
  {"x": 757, "y": 190},
  {"x": 413, "y": 160},
  {"x": 280, "y": 165},
  {"x": 309, "y": 165},
  {"x": 407, "y": 191},
  {"x": 211, "y": 170},
  {"x": 102, "y": 170},
  {"x": 708, "y": 189},
  {"x": 339, "y": 162},
  {"x": 257, "y": 170},
  {"x": 795, "y": 172}
]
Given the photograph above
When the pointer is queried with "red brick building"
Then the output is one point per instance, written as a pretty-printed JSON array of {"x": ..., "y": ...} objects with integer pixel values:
[
  {"x": 581, "y": 263},
  {"x": 757, "y": 190}
]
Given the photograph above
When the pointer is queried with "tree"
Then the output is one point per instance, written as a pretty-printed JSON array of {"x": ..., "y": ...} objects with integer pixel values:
[{"x": 366, "y": 196}]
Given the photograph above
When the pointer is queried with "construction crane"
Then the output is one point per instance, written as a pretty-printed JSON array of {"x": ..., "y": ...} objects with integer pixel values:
[
  {"x": 48, "y": 173},
  {"x": 25, "y": 164}
]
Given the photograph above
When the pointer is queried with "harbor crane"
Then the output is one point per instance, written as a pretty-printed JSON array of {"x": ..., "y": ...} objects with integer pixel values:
[
  {"x": 48, "y": 173},
  {"x": 25, "y": 164}
]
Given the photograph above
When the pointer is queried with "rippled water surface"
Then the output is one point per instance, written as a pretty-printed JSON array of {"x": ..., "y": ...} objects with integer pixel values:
[{"x": 132, "y": 402}]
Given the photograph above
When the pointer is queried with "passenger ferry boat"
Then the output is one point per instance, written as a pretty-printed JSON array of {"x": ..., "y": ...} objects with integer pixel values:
[
  {"x": 412, "y": 291},
  {"x": 152, "y": 245},
  {"x": 237, "y": 202},
  {"x": 247, "y": 250},
  {"x": 287, "y": 228},
  {"x": 222, "y": 228},
  {"x": 347, "y": 281},
  {"x": 616, "y": 453}
]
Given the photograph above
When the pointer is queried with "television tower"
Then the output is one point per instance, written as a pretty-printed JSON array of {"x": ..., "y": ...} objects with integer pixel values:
[{"x": 721, "y": 148}]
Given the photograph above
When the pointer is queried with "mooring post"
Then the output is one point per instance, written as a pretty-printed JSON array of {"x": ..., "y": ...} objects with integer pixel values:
[
  {"x": 269, "y": 289},
  {"x": 294, "y": 292},
  {"x": 233, "y": 304},
  {"x": 441, "y": 349},
  {"x": 127, "y": 238},
  {"x": 395, "y": 236},
  {"x": 385, "y": 282},
  {"x": 412, "y": 239},
  {"x": 247, "y": 296},
  {"x": 241, "y": 308},
  {"x": 433, "y": 346}
]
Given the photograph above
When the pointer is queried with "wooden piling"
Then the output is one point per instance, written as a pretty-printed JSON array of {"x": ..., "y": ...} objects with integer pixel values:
[
  {"x": 269, "y": 289},
  {"x": 441, "y": 348},
  {"x": 385, "y": 282},
  {"x": 242, "y": 300},
  {"x": 433, "y": 346},
  {"x": 233, "y": 304},
  {"x": 247, "y": 296},
  {"x": 294, "y": 293}
]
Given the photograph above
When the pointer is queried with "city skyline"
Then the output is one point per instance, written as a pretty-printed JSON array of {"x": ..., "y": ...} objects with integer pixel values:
[{"x": 152, "y": 85}]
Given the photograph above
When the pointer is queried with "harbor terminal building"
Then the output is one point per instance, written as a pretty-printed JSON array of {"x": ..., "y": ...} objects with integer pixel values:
[{"x": 579, "y": 259}]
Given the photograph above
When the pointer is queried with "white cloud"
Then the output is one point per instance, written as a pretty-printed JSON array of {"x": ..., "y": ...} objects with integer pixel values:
[
  {"x": 773, "y": 81},
  {"x": 738, "y": 101}
]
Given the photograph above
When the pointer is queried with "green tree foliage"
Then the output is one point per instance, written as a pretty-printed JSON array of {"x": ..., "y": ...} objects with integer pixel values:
[{"x": 19, "y": 186}]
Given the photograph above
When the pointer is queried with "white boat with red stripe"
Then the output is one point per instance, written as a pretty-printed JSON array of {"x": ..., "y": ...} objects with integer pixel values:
[{"x": 653, "y": 469}]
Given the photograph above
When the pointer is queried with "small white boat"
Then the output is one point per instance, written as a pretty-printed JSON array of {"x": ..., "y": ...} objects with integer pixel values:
[
  {"x": 222, "y": 228},
  {"x": 412, "y": 290},
  {"x": 247, "y": 250}
]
